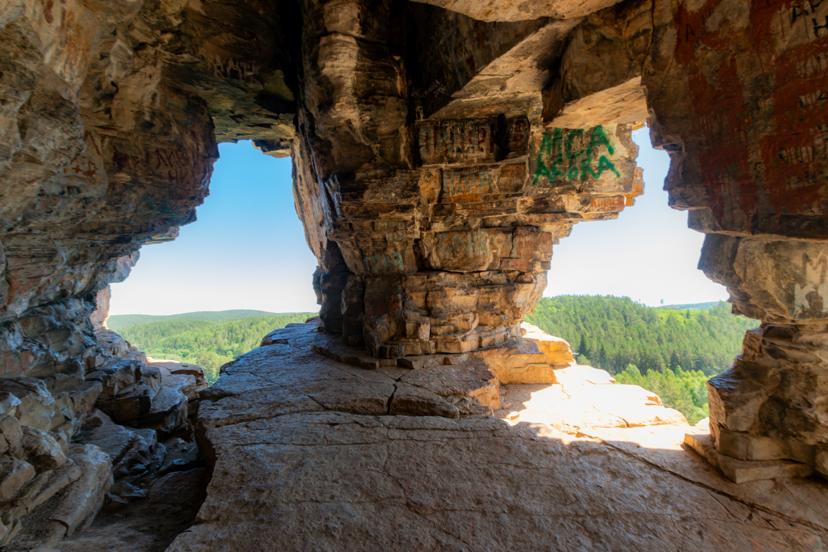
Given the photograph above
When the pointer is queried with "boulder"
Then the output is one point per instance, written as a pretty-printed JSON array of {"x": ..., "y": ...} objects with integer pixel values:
[
  {"x": 131, "y": 452},
  {"x": 37, "y": 406},
  {"x": 112, "y": 344},
  {"x": 14, "y": 474},
  {"x": 167, "y": 412},
  {"x": 41, "y": 450},
  {"x": 80, "y": 503},
  {"x": 188, "y": 379},
  {"x": 556, "y": 350},
  {"x": 514, "y": 362},
  {"x": 11, "y": 435}
]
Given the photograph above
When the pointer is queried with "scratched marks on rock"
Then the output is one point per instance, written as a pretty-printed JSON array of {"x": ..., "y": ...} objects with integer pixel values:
[
  {"x": 466, "y": 186},
  {"x": 394, "y": 231},
  {"x": 800, "y": 22},
  {"x": 462, "y": 251},
  {"x": 86, "y": 164},
  {"x": 464, "y": 244},
  {"x": 172, "y": 165},
  {"x": 517, "y": 136},
  {"x": 456, "y": 141},
  {"x": 608, "y": 203},
  {"x": 226, "y": 67},
  {"x": 379, "y": 264},
  {"x": 477, "y": 184},
  {"x": 574, "y": 154}
]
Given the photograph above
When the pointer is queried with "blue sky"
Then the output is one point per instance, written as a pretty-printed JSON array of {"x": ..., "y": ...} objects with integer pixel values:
[{"x": 247, "y": 250}]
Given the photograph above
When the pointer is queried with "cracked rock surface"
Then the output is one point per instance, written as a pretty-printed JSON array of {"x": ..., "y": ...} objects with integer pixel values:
[{"x": 303, "y": 458}]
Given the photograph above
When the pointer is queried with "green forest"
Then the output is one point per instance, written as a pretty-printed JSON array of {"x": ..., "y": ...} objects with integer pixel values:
[
  {"x": 118, "y": 322},
  {"x": 208, "y": 343},
  {"x": 671, "y": 351}
]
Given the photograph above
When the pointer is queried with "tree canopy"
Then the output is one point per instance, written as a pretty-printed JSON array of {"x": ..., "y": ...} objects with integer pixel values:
[
  {"x": 614, "y": 332},
  {"x": 207, "y": 343},
  {"x": 670, "y": 351}
]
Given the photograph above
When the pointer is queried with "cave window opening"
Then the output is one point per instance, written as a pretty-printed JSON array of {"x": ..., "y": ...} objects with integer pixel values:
[
  {"x": 245, "y": 254},
  {"x": 646, "y": 261}
]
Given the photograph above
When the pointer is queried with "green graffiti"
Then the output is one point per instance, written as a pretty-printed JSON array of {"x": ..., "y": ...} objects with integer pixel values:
[{"x": 569, "y": 155}]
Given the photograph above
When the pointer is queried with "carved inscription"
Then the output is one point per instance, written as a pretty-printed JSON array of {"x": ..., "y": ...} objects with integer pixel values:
[
  {"x": 463, "y": 251},
  {"x": 574, "y": 154},
  {"x": 390, "y": 262},
  {"x": 172, "y": 165},
  {"x": 503, "y": 245},
  {"x": 518, "y": 136},
  {"x": 394, "y": 231},
  {"x": 800, "y": 22},
  {"x": 608, "y": 203},
  {"x": 228, "y": 68},
  {"x": 452, "y": 141},
  {"x": 814, "y": 66},
  {"x": 466, "y": 186},
  {"x": 467, "y": 244}
]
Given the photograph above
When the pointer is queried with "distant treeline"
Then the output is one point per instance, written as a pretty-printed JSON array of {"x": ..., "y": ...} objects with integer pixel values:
[
  {"x": 614, "y": 332},
  {"x": 118, "y": 322},
  {"x": 691, "y": 306},
  {"x": 670, "y": 351},
  {"x": 204, "y": 342}
]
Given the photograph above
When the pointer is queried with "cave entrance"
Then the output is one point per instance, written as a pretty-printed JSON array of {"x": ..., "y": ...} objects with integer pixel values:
[{"x": 212, "y": 293}]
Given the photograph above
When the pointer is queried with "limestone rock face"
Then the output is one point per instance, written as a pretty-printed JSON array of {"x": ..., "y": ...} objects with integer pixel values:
[
  {"x": 98, "y": 318},
  {"x": 556, "y": 350},
  {"x": 440, "y": 244},
  {"x": 761, "y": 400}
]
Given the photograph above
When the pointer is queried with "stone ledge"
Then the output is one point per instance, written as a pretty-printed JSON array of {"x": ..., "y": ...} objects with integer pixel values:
[{"x": 742, "y": 471}]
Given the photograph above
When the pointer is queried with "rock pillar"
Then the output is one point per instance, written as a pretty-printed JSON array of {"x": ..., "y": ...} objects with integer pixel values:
[
  {"x": 735, "y": 90},
  {"x": 434, "y": 235}
]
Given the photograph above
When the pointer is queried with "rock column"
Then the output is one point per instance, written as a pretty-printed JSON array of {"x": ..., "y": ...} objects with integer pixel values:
[
  {"x": 737, "y": 92},
  {"x": 434, "y": 235}
]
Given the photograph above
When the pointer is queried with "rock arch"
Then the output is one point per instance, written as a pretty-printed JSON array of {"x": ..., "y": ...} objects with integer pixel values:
[{"x": 439, "y": 154}]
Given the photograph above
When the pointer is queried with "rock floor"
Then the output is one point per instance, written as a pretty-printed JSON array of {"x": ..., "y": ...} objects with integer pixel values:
[{"x": 296, "y": 468}]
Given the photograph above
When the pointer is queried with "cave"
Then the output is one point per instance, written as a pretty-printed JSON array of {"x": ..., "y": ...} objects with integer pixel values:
[{"x": 440, "y": 150}]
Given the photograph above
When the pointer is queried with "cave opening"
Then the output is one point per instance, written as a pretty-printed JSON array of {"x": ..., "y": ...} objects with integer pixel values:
[
  {"x": 189, "y": 299},
  {"x": 440, "y": 149},
  {"x": 647, "y": 254}
]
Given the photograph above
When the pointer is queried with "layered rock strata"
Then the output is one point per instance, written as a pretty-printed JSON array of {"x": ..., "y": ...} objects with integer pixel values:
[{"x": 59, "y": 453}]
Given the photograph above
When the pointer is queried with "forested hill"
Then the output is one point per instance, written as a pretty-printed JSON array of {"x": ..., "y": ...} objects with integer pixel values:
[
  {"x": 118, "y": 322},
  {"x": 670, "y": 351},
  {"x": 614, "y": 332},
  {"x": 692, "y": 306},
  {"x": 206, "y": 342}
]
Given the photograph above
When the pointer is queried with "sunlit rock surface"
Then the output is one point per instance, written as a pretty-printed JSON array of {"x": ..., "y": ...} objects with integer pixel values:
[{"x": 307, "y": 453}]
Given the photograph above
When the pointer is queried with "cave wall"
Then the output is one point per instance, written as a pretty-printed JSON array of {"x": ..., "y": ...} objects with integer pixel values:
[{"x": 440, "y": 150}]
